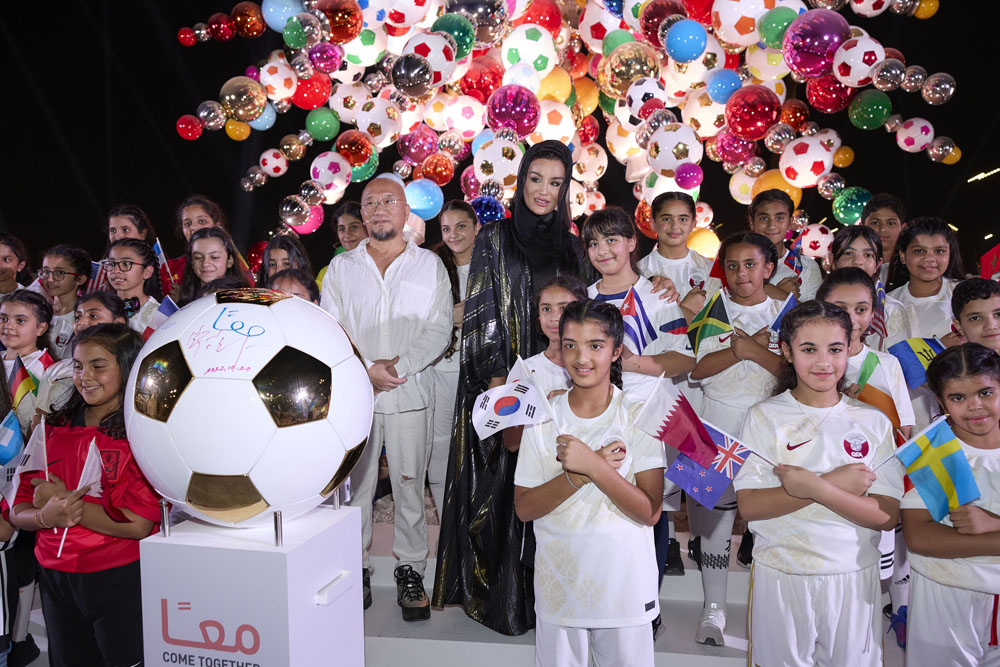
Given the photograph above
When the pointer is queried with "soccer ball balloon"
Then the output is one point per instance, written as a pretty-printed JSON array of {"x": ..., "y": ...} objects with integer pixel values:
[
  {"x": 915, "y": 135},
  {"x": 816, "y": 241},
  {"x": 532, "y": 44},
  {"x": 853, "y": 61},
  {"x": 804, "y": 161},
  {"x": 245, "y": 402}
]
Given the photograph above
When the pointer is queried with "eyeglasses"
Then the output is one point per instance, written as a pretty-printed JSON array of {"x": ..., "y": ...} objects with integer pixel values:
[
  {"x": 57, "y": 274},
  {"x": 123, "y": 265},
  {"x": 372, "y": 204}
]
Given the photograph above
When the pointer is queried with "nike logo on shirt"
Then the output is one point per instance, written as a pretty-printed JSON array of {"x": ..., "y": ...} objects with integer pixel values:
[
  {"x": 790, "y": 446},
  {"x": 723, "y": 339}
]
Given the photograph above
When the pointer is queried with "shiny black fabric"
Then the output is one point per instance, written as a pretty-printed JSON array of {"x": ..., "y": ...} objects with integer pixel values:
[{"x": 478, "y": 562}]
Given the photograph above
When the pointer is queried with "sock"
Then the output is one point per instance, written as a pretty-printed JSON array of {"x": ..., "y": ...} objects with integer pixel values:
[
  {"x": 670, "y": 524},
  {"x": 899, "y": 586},
  {"x": 716, "y": 529},
  {"x": 25, "y": 601}
]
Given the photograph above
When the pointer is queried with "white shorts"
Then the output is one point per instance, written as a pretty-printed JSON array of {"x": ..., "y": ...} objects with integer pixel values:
[
  {"x": 950, "y": 626},
  {"x": 832, "y": 620},
  {"x": 560, "y": 646}
]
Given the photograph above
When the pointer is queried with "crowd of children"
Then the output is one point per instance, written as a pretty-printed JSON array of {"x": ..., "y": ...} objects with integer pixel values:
[{"x": 819, "y": 398}]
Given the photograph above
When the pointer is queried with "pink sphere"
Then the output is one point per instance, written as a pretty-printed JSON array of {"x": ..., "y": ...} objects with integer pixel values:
[
  {"x": 470, "y": 184},
  {"x": 515, "y": 107},
  {"x": 732, "y": 148},
  {"x": 812, "y": 39},
  {"x": 688, "y": 175},
  {"x": 417, "y": 145}
]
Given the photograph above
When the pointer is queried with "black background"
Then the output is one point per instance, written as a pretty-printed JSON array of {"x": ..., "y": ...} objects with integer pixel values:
[{"x": 92, "y": 90}]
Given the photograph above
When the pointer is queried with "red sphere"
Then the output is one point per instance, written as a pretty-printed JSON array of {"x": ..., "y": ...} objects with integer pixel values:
[
  {"x": 589, "y": 129},
  {"x": 186, "y": 37},
  {"x": 544, "y": 13},
  {"x": 255, "y": 256},
  {"x": 189, "y": 127},
  {"x": 894, "y": 53},
  {"x": 794, "y": 112},
  {"x": 652, "y": 15},
  {"x": 829, "y": 95},
  {"x": 699, "y": 10},
  {"x": 644, "y": 219},
  {"x": 221, "y": 27},
  {"x": 313, "y": 92},
  {"x": 751, "y": 110},
  {"x": 484, "y": 76}
]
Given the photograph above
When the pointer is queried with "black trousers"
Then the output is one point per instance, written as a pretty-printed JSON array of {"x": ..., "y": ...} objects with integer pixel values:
[{"x": 93, "y": 618}]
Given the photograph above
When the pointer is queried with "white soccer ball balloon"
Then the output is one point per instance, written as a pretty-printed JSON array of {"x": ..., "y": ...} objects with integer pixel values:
[
  {"x": 245, "y": 402},
  {"x": 853, "y": 61},
  {"x": 816, "y": 241},
  {"x": 915, "y": 135},
  {"x": 804, "y": 161},
  {"x": 672, "y": 145}
]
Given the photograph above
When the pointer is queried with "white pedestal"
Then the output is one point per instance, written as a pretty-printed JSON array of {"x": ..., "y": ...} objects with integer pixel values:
[{"x": 227, "y": 597}]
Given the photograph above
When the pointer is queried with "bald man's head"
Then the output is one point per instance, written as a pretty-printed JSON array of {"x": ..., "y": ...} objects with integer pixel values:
[{"x": 383, "y": 208}]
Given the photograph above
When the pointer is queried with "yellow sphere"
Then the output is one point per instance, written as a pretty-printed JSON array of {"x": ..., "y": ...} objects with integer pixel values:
[
  {"x": 557, "y": 86},
  {"x": 704, "y": 242},
  {"x": 772, "y": 180},
  {"x": 237, "y": 130},
  {"x": 587, "y": 95},
  {"x": 926, "y": 9},
  {"x": 843, "y": 157},
  {"x": 954, "y": 156}
]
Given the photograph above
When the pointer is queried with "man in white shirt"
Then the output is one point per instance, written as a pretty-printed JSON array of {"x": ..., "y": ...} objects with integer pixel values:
[
  {"x": 394, "y": 300},
  {"x": 771, "y": 215}
]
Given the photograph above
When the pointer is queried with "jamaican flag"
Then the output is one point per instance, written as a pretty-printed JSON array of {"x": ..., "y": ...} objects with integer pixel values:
[{"x": 711, "y": 321}]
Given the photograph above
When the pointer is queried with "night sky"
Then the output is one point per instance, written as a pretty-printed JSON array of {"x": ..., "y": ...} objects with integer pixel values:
[{"x": 93, "y": 89}]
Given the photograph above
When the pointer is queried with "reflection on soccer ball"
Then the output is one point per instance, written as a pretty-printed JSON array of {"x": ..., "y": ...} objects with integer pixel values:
[{"x": 248, "y": 401}]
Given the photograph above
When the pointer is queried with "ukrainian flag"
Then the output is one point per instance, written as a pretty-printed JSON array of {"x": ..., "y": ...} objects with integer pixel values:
[
  {"x": 711, "y": 321},
  {"x": 939, "y": 470},
  {"x": 915, "y": 355}
]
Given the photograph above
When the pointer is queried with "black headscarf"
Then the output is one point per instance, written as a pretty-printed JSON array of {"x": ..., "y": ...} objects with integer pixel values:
[{"x": 544, "y": 239}]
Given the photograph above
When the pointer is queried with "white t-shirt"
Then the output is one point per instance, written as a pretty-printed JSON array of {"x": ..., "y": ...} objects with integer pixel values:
[
  {"x": 927, "y": 316},
  {"x": 888, "y": 378},
  {"x": 451, "y": 365},
  {"x": 815, "y": 539},
  {"x": 897, "y": 327},
  {"x": 690, "y": 272},
  {"x": 546, "y": 375},
  {"x": 728, "y": 394},
  {"x": 811, "y": 276},
  {"x": 657, "y": 317},
  {"x": 60, "y": 331},
  {"x": 977, "y": 573},
  {"x": 142, "y": 319},
  {"x": 594, "y": 566}
]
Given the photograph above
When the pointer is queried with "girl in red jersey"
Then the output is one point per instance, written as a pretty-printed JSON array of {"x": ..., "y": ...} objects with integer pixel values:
[{"x": 90, "y": 590}]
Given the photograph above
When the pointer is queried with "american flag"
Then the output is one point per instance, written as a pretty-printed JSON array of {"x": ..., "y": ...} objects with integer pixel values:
[
  {"x": 877, "y": 325},
  {"x": 98, "y": 279}
]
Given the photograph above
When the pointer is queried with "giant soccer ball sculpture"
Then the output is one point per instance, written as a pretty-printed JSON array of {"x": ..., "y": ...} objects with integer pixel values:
[{"x": 245, "y": 402}]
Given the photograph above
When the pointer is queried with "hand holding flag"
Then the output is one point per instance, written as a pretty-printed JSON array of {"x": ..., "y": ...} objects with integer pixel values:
[{"x": 514, "y": 404}]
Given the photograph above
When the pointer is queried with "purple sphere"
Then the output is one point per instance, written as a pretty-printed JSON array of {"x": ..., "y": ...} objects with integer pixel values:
[
  {"x": 732, "y": 148},
  {"x": 470, "y": 184},
  {"x": 688, "y": 175},
  {"x": 514, "y": 107},
  {"x": 253, "y": 73},
  {"x": 811, "y": 41},
  {"x": 326, "y": 57},
  {"x": 417, "y": 145}
]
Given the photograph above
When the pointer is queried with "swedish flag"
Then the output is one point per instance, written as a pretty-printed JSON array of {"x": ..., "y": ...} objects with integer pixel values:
[
  {"x": 915, "y": 355},
  {"x": 939, "y": 470},
  {"x": 711, "y": 321}
]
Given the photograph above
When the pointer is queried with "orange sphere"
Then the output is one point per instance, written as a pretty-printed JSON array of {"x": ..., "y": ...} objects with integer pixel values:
[
  {"x": 954, "y": 156},
  {"x": 772, "y": 180},
  {"x": 237, "y": 130},
  {"x": 794, "y": 112},
  {"x": 843, "y": 157},
  {"x": 704, "y": 242},
  {"x": 644, "y": 219},
  {"x": 926, "y": 9},
  {"x": 438, "y": 167},
  {"x": 248, "y": 21},
  {"x": 355, "y": 146}
]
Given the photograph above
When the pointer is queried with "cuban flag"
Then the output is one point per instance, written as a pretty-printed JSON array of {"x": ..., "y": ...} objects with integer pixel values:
[
  {"x": 514, "y": 404},
  {"x": 638, "y": 328}
]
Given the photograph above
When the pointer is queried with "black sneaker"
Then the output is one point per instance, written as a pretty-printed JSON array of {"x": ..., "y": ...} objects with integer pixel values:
[
  {"x": 410, "y": 594},
  {"x": 366, "y": 587},
  {"x": 674, "y": 566},
  {"x": 23, "y": 653},
  {"x": 658, "y": 628},
  {"x": 744, "y": 556},
  {"x": 694, "y": 550}
]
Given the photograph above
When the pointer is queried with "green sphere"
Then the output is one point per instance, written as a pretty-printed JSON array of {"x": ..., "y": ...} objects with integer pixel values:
[
  {"x": 614, "y": 39},
  {"x": 461, "y": 29},
  {"x": 606, "y": 103},
  {"x": 773, "y": 24},
  {"x": 849, "y": 203},
  {"x": 322, "y": 124},
  {"x": 294, "y": 34},
  {"x": 365, "y": 171},
  {"x": 869, "y": 110}
]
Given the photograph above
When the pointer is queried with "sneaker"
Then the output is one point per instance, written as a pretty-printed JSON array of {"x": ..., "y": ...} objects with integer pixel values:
[
  {"x": 23, "y": 653},
  {"x": 694, "y": 550},
  {"x": 897, "y": 623},
  {"x": 366, "y": 587},
  {"x": 712, "y": 625},
  {"x": 744, "y": 556},
  {"x": 658, "y": 628},
  {"x": 410, "y": 594},
  {"x": 674, "y": 566}
]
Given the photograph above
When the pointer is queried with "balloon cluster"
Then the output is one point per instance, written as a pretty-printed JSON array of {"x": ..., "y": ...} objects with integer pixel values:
[{"x": 676, "y": 80}]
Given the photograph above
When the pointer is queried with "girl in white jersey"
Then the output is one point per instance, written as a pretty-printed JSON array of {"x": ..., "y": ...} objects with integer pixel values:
[
  {"x": 924, "y": 272},
  {"x": 134, "y": 274},
  {"x": 884, "y": 388},
  {"x": 592, "y": 483},
  {"x": 816, "y": 517},
  {"x": 65, "y": 270},
  {"x": 956, "y": 562},
  {"x": 737, "y": 369}
]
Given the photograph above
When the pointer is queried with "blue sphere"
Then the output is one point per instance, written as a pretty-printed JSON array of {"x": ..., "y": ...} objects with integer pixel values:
[
  {"x": 615, "y": 7},
  {"x": 722, "y": 83},
  {"x": 686, "y": 40},
  {"x": 481, "y": 139},
  {"x": 424, "y": 197},
  {"x": 488, "y": 209},
  {"x": 277, "y": 12},
  {"x": 266, "y": 120}
]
